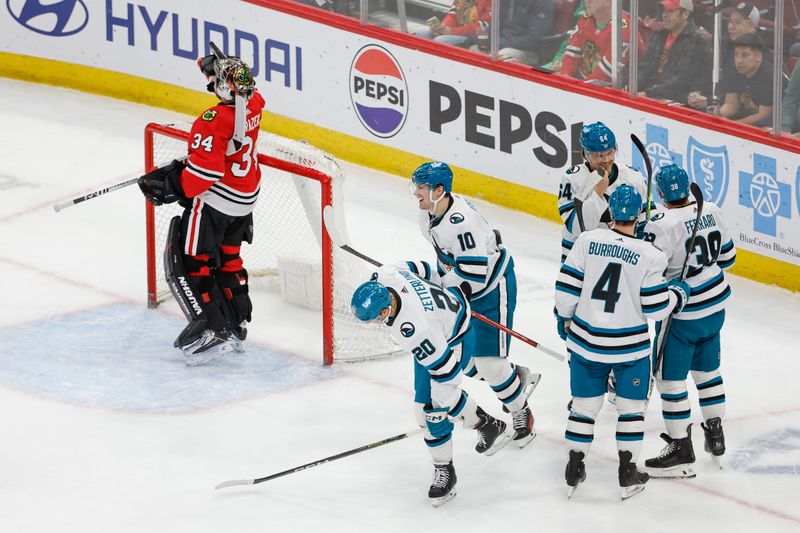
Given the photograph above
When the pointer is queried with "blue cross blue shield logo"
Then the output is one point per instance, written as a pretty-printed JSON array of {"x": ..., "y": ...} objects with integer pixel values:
[
  {"x": 656, "y": 143},
  {"x": 762, "y": 192},
  {"x": 709, "y": 167}
]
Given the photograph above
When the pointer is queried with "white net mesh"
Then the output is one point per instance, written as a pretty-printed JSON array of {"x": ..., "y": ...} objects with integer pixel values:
[{"x": 287, "y": 225}]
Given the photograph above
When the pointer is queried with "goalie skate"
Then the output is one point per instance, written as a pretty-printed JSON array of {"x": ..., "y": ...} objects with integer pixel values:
[{"x": 211, "y": 345}]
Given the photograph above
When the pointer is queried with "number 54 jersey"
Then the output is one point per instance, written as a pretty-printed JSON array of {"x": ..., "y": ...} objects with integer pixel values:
[
  {"x": 610, "y": 284},
  {"x": 713, "y": 251},
  {"x": 430, "y": 323}
]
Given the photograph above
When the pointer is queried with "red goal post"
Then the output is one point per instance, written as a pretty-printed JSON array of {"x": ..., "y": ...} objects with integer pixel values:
[{"x": 282, "y": 213}]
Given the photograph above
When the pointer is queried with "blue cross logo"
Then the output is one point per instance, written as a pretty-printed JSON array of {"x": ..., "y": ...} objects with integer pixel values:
[
  {"x": 765, "y": 195},
  {"x": 656, "y": 143}
]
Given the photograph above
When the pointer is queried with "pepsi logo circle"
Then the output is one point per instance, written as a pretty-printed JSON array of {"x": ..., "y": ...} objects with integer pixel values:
[{"x": 378, "y": 91}]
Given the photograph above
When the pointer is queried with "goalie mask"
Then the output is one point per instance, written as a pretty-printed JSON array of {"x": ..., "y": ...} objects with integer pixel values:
[{"x": 233, "y": 77}]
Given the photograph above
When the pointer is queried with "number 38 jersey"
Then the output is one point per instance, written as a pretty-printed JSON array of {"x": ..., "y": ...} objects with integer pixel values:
[
  {"x": 216, "y": 172},
  {"x": 467, "y": 248},
  {"x": 430, "y": 323},
  {"x": 608, "y": 286},
  {"x": 714, "y": 251}
]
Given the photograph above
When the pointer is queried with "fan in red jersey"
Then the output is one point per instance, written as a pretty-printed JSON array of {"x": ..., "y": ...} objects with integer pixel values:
[{"x": 217, "y": 185}]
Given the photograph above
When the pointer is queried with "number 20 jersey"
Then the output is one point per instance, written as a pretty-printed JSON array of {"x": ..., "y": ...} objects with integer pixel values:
[
  {"x": 430, "y": 321},
  {"x": 670, "y": 230},
  {"x": 610, "y": 284},
  {"x": 219, "y": 175}
]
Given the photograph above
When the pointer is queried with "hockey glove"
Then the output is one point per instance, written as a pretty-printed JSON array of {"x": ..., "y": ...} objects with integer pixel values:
[
  {"x": 563, "y": 326},
  {"x": 438, "y": 423},
  {"x": 682, "y": 290},
  {"x": 163, "y": 185}
]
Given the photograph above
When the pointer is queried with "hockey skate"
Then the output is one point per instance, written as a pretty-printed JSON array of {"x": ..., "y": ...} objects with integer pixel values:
[
  {"x": 630, "y": 478},
  {"x": 715, "y": 439},
  {"x": 675, "y": 460},
  {"x": 209, "y": 346},
  {"x": 528, "y": 379},
  {"x": 491, "y": 434},
  {"x": 575, "y": 472},
  {"x": 522, "y": 423},
  {"x": 237, "y": 336},
  {"x": 443, "y": 487}
]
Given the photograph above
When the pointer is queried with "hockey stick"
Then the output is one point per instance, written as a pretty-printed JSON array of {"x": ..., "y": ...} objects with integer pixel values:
[
  {"x": 105, "y": 190},
  {"x": 348, "y": 453},
  {"x": 335, "y": 235},
  {"x": 95, "y": 194},
  {"x": 649, "y": 166},
  {"x": 698, "y": 197}
]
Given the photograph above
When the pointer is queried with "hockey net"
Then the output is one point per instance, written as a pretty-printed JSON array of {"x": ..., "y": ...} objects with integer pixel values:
[{"x": 298, "y": 182}]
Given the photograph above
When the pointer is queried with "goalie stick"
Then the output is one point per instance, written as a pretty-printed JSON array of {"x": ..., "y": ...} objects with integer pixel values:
[
  {"x": 348, "y": 453},
  {"x": 698, "y": 197},
  {"x": 335, "y": 235},
  {"x": 105, "y": 190},
  {"x": 649, "y": 166}
]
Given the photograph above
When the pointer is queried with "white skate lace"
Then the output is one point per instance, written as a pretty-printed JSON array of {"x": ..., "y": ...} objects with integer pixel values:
[
  {"x": 520, "y": 419},
  {"x": 668, "y": 449},
  {"x": 441, "y": 476}
]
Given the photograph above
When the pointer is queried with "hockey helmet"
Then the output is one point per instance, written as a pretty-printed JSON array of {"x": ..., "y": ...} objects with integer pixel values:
[
  {"x": 432, "y": 174},
  {"x": 369, "y": 300},
  {"x": 597, "y": 137},
  {"x": 233, "y": 77},
  {"x": 625, "y": 204},
  {"x": 672, "y": 183}
]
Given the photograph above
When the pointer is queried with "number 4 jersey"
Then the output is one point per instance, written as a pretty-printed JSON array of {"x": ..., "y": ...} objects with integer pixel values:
[
  {"x": 713, "y": 251},
  {"x": 222, "y": 175},
  {"x": 610, "y": 284}
]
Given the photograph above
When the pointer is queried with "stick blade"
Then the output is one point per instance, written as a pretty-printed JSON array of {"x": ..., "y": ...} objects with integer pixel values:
[
  {"x": 235, "y": 483},
  {"x": 694, "y": 188},
  {"x": 329, "y": 219}
]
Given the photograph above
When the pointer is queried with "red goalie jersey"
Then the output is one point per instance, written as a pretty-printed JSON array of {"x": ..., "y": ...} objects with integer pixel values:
[
  {"x": 228, "y": 183},
  {"x": 588, "y": 52}
]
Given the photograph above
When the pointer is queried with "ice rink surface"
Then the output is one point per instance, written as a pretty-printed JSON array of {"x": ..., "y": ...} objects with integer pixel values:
[{"x": 105, "y": 429}]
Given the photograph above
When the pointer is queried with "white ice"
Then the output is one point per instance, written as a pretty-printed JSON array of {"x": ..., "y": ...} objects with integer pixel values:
[{"x": 105, "y": 429}]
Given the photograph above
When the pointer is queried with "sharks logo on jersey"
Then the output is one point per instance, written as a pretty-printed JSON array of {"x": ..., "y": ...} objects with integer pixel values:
[{"x": 407, "y": 329}]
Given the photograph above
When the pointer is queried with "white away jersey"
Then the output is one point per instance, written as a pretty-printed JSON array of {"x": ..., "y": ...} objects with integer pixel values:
[
  {"x": 430, "y": 321},
  {"x": 467, "y": 248},
  {"x": 578, "y": 185},
  {"x": 670, "y": 230},
  {"x": 609, "y": 285}
]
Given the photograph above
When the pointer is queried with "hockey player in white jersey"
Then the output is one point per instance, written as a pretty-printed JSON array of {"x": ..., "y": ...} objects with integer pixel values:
[
  {"x": 470, "y": 255},
  {"x": 585, "y": 189},
  {"x": 609, "y": 285},
  {"x": 433, "y": 324},
  {"x": 693, "y": 340}
]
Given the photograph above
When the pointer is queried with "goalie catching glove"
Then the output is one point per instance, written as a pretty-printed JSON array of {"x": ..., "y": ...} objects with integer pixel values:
[{"x": 163, "y": 185}]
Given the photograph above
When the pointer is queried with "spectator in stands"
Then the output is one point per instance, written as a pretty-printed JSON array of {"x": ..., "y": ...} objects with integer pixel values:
[
  {"x": 742, "y": 20},
  {"x": 678, "y": 59},
  {"x": 746, "y": 93},
  {"x": 588, "y": 52},
  {"x": 790, "y": 109},
  {"x": 461, "y": 25},
  {"x": 523, "y": 24}
]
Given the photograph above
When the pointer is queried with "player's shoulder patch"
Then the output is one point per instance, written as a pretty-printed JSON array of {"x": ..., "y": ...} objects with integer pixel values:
[
  {"x": 209, "y": 115},
  {"x": 574, "y": 169},
  {"x": 456, "y": 218},
  {"x": 407, "y": 329},
  {"x": 657, "y": 216}
]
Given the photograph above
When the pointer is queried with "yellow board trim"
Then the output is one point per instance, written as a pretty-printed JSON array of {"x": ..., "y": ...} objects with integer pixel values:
[{"x": 156, "y": 94}]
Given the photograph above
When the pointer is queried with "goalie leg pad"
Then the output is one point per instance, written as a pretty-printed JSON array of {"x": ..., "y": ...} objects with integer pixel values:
[{"x": 189, "y": 280}]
